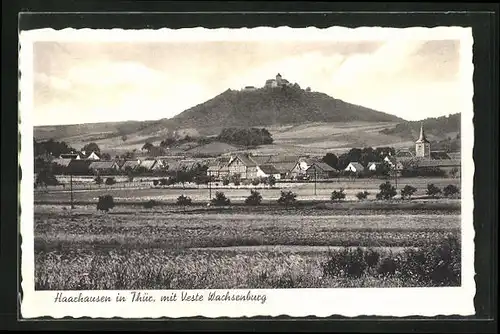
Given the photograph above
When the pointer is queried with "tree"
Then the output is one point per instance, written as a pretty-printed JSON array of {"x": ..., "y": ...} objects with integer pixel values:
[
  {"x": 338, "y": 195},
  {"x": 220, "y": 199},
  {"x": 184, "y": 200},
  {"x": 255, "y": 182},
  {"x": 98, "y": 180},
  {"x": 124, "y": 138},
  {"x": 450, "y": 190},
  {"x": 46, "y": 178},
  {"x": 287, "y": 198},
  {"x": 331, "y": 160},
  {"x": 387, "y": 191},
  {"x": 432, "y": 190},
  {"x": 271, "y": 181},
  {"x": 105, "y": 203},
  {"x": 105, "y": 156},
  {"x": 408, "y": 191},
  {"x": 147, "y": 146},
  {"x": 225, "y": 181},
  {"x": 254, "y": 199},
  {"x": 91, "y": 147},
  {"x": 454, "y": 171},
  {"x": 362, "y": 195},
  {"x": 110, "y": 181}
]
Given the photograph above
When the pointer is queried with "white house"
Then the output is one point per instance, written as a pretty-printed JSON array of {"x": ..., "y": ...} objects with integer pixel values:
[
  {"x": 373, "y": 166},
  {"x": 394, "y": 163},
  {"x": 268, "y": 170},
  {"x": 93, "y": 156},
  {"x": 355, "y": 167}
]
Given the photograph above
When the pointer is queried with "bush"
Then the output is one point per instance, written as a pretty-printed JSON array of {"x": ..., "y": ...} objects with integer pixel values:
[
  {"x": 255, "y": 182},
  {"x": 105, "y": 203},
  {"x": 432, "y": 190},
  {"x": 287, "y": 198},
  {"x": 183, "y": 200},
  {"x": 347, "y": 262},
  {"x": 362, "y": 195},
  {"x": 237, "y": 182},
  {"x": 110, "y": 181},
  {"x": 156, "y": 182},
  {"x": 338, "y": 195},
  {"x": 98, "y": 180},
  {"x": 408, "y": 191},
  {"x": 450, "y": 190},
  {"x": 388, "y": 266},
  {"x": 271, "y": 181},
  {"x": 150, "y": 204},
  {"x": 371, "y": 258},
  {"x": 387, "y": 191},
  {"x": 438, "y": 264},
  {"x": 220, "y": 199},
  {"x": 225, "y": 181},
  {"x": 254, "y": 199}
]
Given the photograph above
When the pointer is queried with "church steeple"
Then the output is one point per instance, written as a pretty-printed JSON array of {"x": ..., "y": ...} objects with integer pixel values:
[
  {"x": 422, "y": 138},
  {"x": 422, "y": 145}
]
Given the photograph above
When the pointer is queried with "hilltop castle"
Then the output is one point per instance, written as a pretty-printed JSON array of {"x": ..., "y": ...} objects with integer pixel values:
[{"x": 278, "y": 82}]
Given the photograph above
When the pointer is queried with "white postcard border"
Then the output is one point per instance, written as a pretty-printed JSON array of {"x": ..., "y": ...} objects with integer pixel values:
[{"x": 352, "y": 302}]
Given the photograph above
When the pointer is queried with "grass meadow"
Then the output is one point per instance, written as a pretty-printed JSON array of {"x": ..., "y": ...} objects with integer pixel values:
[{"x": 165, "y": 248}]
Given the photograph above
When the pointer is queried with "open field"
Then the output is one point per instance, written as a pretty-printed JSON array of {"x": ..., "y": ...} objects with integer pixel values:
[
  {"x": 135, "y": 248},
  {"x": 139, "y": 191}
]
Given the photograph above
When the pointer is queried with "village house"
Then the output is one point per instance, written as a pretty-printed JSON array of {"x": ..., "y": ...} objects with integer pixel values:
[
  {"x": 103, "y": 167},
  {"x": 284, "y": 164},
  {"x": 72, "y": 156},
  {"x": 242, "y": 165},
  {"x": 267, "y": 171},
  {"x": 320, "y": 170},
  {"x": 395, "y": 163},
  {"x": 217, "y": 168},
  {"x": 300, "y": 168},
  {"x": 355, "y": 167},
  {"x": 89, "y": 155},
  {"x": 78, "y": 167},
  {"x": 130, "y": 165},
  {"x": 374, "y": 166}
]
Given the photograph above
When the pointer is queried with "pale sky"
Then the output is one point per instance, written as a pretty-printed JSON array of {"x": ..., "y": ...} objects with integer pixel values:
[{"x": 83, "y": 82}]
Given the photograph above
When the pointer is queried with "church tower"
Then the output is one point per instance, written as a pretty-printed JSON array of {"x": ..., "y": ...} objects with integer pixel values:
[{"x": 422, "y": 145}]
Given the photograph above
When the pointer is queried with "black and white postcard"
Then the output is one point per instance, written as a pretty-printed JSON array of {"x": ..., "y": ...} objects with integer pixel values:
[{"x": 247, "y": 172}]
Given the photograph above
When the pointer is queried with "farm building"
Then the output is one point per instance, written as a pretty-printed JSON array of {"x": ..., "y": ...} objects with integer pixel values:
[
  {"x": 89, "y": 155},
  {"x": 218, "y": 168},
  {"x": 354, "y": 167},
  {"x": 103, "y": 167},
  {"x": 267, "y": 171},
  {"x": 397, "y": 163},
  {"x": 242, "y": 165},
  {"x": 73, "y": 156},
  {"x": 284, "y": 164},
  {"x": 450, "y": 166},
  {"x": 301, "y": 166},
  {"x": 320, "y": 170},
  {"x": 440, "y": 155},
  {"x": 148, "y": 164},
  {"x": 374, "y": 166},
  {"x": 131, "y": 164},
  {"x": 62, "y": 162}
]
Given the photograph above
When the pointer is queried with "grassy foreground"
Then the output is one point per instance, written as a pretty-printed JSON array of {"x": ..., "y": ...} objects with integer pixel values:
[{"x": 154, "y": 249}]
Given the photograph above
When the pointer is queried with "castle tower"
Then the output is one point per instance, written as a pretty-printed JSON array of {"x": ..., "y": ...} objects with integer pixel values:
[
  {"x": 278, "y": 79},
  {"x": 422, "y": 145}
]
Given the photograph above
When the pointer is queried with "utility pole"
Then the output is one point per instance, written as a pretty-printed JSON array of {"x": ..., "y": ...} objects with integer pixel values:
[
  {"x": 396, "y": 159},
  {"x": 314, "y": 180},
  {"x": 71, "y": 188},
  {"x": 209, "y": 185}
]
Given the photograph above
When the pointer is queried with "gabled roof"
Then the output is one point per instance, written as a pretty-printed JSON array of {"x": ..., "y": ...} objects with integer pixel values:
[
  {"x": 356, "y": 165},
  {"x": 322, "y": 166},
  {"x": 131, "y": 163},
  {"x": 69, "y": 156},
  {"x": 269, "y": 169},
  {"x": 62, "y": 162},
  {"x": 245, "y": 159},
  {"x": 148, "y": 164},
  {"x": 102, "y": 164}
]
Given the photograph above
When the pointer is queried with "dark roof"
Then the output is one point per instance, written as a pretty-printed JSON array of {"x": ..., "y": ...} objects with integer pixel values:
[
  {"x": 246, "y": 160},
  {"x": 422, "y": 138},
  {"x": 439, "y": 155},
  {"x": 69, "y": 155},
  {"x": 322, "y": 166},
  {"x": 269, "y": 169},
  {"x": 439, "y": 163},
  {"x": 102, "y": 164},
  {"x": 62, "y": 162}
]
